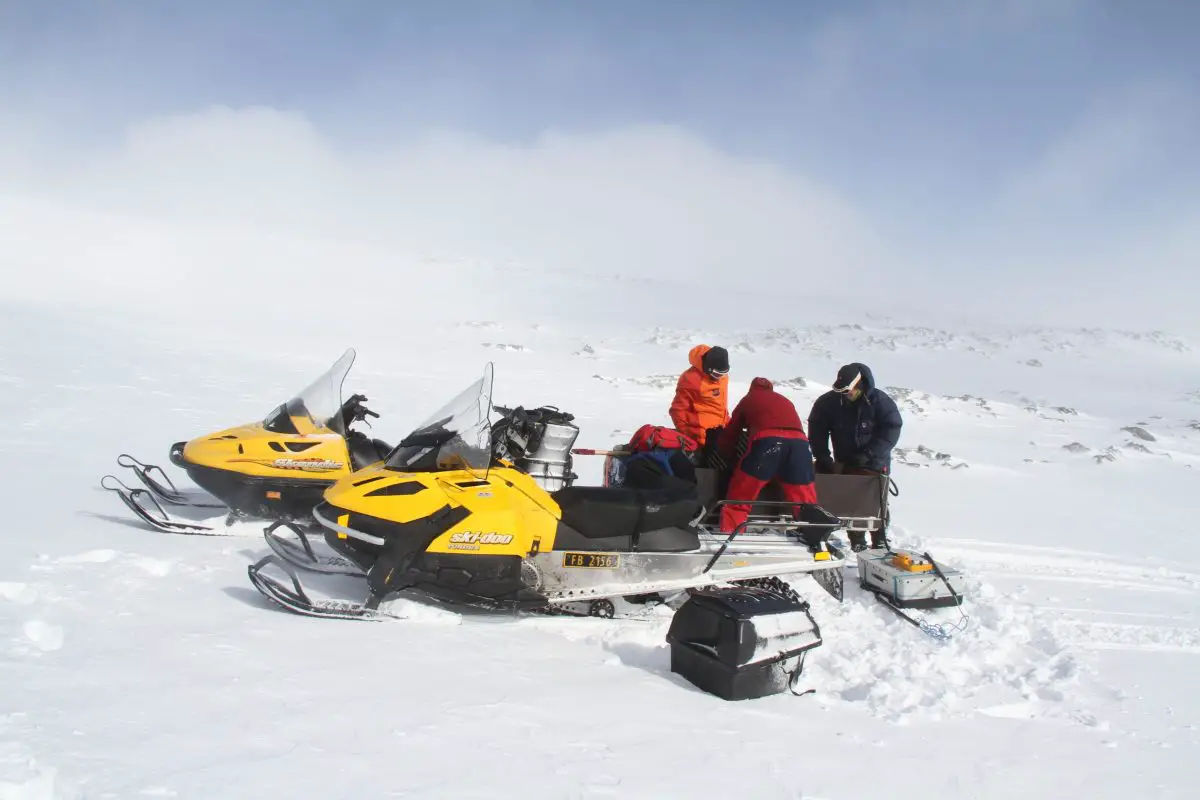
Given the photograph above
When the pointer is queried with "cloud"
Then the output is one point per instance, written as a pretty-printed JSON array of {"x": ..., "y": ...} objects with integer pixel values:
[
  {"x": 1094, "y": 227},
  {"x": 1084, "y": 166},
  {"x": 222, "y": 205},
  {"x": 639, "y": 201},
  {"x": 1122, "y": 137}
]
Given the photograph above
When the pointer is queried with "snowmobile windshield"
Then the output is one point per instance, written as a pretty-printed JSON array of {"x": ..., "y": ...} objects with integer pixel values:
[
  {"x": 456, "y": 436},
  {"x": 316, "y": 409}
]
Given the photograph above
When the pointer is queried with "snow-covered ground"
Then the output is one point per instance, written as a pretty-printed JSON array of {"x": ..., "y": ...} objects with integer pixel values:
[{"x": 1058, "y": 468}]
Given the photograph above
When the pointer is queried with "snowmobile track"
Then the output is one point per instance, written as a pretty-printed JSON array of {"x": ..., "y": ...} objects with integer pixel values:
[{"x": 1130, "y": 637}]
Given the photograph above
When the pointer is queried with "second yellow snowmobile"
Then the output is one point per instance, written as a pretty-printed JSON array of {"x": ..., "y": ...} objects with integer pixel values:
[{"x": 272, "y": 469}]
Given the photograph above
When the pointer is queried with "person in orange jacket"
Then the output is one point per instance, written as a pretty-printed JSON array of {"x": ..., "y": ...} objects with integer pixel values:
[{"x": 702, "y": 393}]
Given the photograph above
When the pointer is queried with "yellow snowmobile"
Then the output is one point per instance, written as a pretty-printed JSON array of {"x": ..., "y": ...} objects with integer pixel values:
[
  {"x": 272, "y": 469},
  {"x": 467, "y": 512}
]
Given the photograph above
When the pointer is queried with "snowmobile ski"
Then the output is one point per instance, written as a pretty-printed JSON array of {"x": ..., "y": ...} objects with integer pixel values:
[
  {"x": 168, "y": 493},
  {"x": 297, "y": 600},
  {"x": 303, "y": 556},
  {"x": 164, "y": 522}
]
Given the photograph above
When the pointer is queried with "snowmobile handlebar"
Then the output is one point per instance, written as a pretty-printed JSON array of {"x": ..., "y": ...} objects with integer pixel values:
[
  {"x": 354, "y": 410},
  {"x": 533, "y": 413}
]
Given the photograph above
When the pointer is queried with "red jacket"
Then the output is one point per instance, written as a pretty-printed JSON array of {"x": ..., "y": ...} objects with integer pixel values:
[
  {"x": 761, "y": 410},
  {"x": 700, "y": 402}
]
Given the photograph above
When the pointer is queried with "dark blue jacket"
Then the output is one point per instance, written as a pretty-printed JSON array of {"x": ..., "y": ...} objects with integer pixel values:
[{"x": 868, "y": 427}]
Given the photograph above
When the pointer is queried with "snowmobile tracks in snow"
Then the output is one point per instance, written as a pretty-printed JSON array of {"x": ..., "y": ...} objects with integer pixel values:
[
  {"x": 1040, "y": 562},
  {"x": 1129, "y": 636},
  {"x": 1079, "y": 626}
]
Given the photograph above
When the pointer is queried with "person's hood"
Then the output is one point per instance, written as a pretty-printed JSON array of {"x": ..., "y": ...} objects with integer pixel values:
[
  {"x": 696, "y": 354},
  {"x": 761, "y": 384},
  {"x": 847, "y": 373}
]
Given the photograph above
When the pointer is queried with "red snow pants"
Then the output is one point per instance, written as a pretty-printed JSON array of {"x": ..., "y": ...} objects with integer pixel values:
[{"x": 779, "y": 455}]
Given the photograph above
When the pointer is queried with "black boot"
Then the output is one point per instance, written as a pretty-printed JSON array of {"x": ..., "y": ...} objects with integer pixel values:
[
  {"x": 879, "y": 540},
  {"x": 858, "y": 540}
]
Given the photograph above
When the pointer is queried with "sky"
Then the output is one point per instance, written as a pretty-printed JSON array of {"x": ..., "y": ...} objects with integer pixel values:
[{"x": 1032, "y": 161}]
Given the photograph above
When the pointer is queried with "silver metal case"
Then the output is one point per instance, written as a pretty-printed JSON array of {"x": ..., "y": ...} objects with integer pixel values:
[
  {"x": 550, "y": 463},
  {"x": 906, "y": 588}
]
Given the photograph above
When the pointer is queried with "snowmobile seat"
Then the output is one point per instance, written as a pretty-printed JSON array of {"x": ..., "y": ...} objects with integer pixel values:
[
  {"x": 660, "y": 540},
  {"x": 599, "y": 512},
  {"x": 364, "y": 450},
  {"x": 567, "y": 538}
]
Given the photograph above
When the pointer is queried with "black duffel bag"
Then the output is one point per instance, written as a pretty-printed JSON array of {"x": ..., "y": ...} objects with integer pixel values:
[{"x": 599, "y": 511}]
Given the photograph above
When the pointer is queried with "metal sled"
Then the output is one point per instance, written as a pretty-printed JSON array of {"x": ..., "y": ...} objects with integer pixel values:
[{"x": 859, "y": 501}]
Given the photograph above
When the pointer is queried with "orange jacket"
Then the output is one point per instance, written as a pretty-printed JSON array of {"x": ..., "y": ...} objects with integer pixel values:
[{"x": 700, "y": 402}]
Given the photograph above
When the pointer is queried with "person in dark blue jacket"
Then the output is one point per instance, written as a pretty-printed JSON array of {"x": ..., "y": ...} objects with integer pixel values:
[{"x": 862, "y": 421}]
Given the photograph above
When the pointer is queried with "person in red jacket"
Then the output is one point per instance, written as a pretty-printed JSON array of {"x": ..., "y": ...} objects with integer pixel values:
[
  {"x": 777, "y": 450},
  {"x": 702, "y": 393}
]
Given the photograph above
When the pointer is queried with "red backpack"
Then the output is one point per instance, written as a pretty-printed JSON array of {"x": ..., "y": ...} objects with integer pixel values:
[{"x": 656, "y": 437}]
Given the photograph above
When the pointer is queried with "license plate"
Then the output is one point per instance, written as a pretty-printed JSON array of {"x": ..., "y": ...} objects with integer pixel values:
[{"x": 591, "y": 560}]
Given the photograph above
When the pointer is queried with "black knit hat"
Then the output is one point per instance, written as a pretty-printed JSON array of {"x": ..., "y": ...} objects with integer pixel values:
[{"x": 716, "y": 361}]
